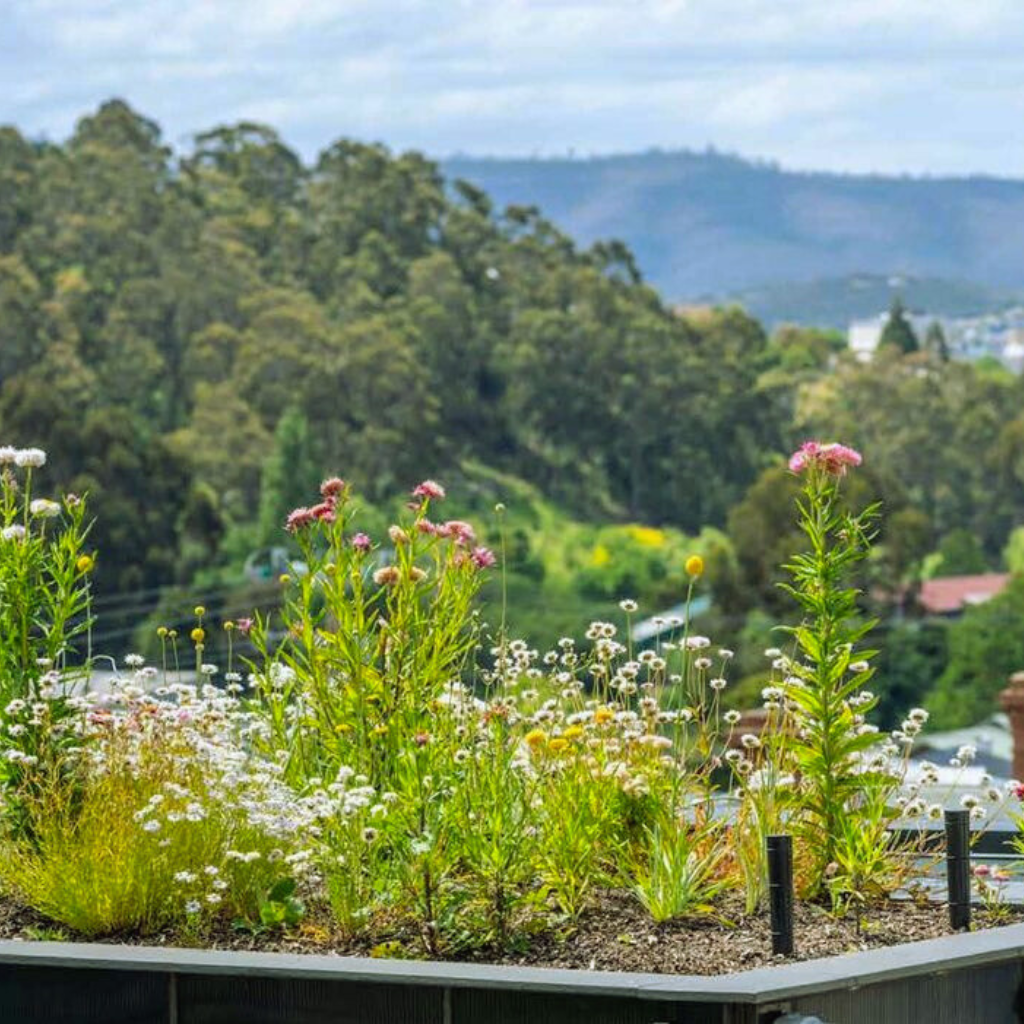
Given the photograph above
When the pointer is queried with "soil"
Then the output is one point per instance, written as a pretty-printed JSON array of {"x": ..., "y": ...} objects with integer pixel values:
[{"x": 616, "y": 935}]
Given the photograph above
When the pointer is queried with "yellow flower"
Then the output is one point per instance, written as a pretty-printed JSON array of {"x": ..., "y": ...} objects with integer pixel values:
[
  {"x": 574, "y": 732},
  {"x": 198, "y": 635},
  {"x": 85, "y": 563},
  {"x": 558, "y": 744},
  {"x": 379, "y": 730},
  {"x": 199, "y": 610},
  {"x": 695, "y": 565},
  {"x": 343, "y": 727},
  {"x": 602, "y": 715},
  {"x": 284, "y": 578},
  {"x": 161, "y": 631},
  {"x": 536, "y": 738}
]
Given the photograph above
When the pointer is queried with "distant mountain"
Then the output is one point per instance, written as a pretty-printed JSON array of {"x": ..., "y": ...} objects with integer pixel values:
[
  {"x": 706, "y": 224},
  {"x": 835, "y": 301}
]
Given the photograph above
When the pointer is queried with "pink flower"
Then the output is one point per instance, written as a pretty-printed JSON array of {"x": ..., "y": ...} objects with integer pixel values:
[
  {"x": 426, "y": 526},
  {"x": 361, "y": 542},
  {"x": 459, "y": 531},
  {"x": 244, "y": 626},
  {"x": 429, "y": 489},
  {"x": 483, "y": 558},
  {"x": 298, "y": 518},
  {"x": 1018, "y": 790},
  {"x": 803, "y": 456},
  {"x": 332, "y": 488},
  {"x": 833, "y": 459},
  {"x": 324, "y": 512}
]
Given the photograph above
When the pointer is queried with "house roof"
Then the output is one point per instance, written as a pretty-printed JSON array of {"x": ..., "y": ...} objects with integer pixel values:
[{"x": 946, "y": 594}]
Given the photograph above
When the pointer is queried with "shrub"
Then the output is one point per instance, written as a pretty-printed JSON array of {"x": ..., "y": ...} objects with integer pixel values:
[{"x": 159, "y": 817}]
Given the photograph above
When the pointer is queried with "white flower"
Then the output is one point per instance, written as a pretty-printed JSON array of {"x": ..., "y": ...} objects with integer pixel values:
[
  {"x": 750, "y": 741},
  {"x": 152, "y": 825},
  {"x": 134, "y": 660},
  {"x": 185, "y": 877},
  {"x": 772, "y": 652},
  {"x": 44, "y": 508},
  {"x": 731, "y": 717},
  {"x": 7, "y": 454},
  {"x": 31, "y": 458},
  {"x": 15, "y": 532},
  {"x": 628, "y": 605},
  {"x": 856, "y": 667},
  {"x": 193, "y": 907}
]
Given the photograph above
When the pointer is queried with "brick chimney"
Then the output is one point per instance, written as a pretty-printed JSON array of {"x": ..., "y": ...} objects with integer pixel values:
[{"x": 1012, "y": 700}]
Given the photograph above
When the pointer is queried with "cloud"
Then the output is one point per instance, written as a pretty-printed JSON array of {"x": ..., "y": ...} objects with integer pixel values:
[{"x": 925, "y": 85}]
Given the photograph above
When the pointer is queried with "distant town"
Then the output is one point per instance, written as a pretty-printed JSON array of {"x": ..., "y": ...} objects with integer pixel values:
[{"x": 998, "y": 336}]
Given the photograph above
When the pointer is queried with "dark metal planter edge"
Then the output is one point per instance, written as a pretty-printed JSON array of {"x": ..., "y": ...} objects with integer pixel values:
[{"x": 758, "y": 986}]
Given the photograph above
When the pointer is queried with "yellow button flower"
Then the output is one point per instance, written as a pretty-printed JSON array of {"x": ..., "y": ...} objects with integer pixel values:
[
  {"x": 85, "y": 563},
  {"x": 198, "y": 635},
  {"x": 536, "y": 738},
  {"x": 695, "y": 565}
]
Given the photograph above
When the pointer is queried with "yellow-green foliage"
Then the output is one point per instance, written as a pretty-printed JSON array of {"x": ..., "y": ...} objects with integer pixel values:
[{"x": 145, "y": 835}]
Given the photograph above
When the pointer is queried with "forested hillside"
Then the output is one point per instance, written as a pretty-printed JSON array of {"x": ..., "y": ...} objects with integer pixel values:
[
  {"x": 197, "y": 337},
  {"x": 711, "y": 224},
  {"x": 161, "y": 315}
]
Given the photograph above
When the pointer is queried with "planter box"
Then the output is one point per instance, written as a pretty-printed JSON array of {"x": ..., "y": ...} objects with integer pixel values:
[{"x": 959, "y": 979}]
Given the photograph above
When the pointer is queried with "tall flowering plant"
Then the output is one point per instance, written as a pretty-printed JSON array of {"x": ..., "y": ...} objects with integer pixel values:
[
  {"x": 371, "y": 634},
  {"x": 826, "y": 740},
  {"x": 44, "y": 576},
  {"x": 44, "y": 616}
]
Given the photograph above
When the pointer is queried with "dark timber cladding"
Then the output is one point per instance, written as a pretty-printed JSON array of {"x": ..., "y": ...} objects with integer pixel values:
[{"x": 962, "y": 979}]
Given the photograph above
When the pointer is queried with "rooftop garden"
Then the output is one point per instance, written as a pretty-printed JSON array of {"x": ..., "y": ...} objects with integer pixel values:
[{"x": 382, "y": 767}]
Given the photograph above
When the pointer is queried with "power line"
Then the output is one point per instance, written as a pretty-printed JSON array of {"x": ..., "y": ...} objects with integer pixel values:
[{"x": 135, "y": 597}]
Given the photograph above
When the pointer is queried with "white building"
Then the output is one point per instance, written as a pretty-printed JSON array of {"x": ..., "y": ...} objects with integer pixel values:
[{"x": 863, "y": 336}]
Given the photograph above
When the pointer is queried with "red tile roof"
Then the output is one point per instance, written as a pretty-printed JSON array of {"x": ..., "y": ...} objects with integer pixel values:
[{"x": 946, "y": 594}]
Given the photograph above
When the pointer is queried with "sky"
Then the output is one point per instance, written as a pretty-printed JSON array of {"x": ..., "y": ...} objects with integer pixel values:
[{"x": 894, "y": 86}]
